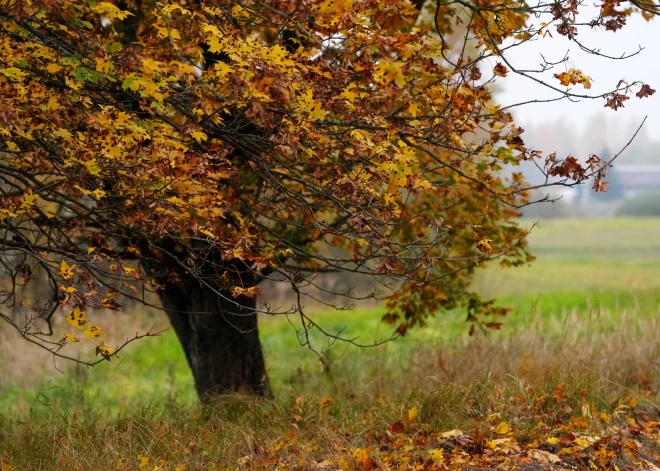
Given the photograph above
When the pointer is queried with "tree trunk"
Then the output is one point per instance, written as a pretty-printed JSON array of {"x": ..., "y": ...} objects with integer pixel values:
[{"x": 220, "y": 338}]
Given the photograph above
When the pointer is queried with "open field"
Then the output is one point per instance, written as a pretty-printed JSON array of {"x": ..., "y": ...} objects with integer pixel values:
[{"x": 581, "y": 342}]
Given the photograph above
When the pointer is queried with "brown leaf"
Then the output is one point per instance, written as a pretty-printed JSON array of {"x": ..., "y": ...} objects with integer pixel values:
[
  {"x": 500, "y": 70},
  {"x": 645, "y": 91},
  {"x": 397, "y": 427},
  {"x": 402, "y": 329},
  {"x": 543, "y": 456},
  {"x": 615, "y": 101},
  {"x": 110, "y": 304}
]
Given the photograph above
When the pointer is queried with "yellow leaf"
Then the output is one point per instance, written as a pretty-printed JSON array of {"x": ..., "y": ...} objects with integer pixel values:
[
  {"x": 552, "y": 440},
  {"x": 77, "y": 319},
  {"x": 98, "y": 194},
  {"x": 499, "y": 443},
  {"x": 93, "y": 331},
  {"x": 28, "y": 199},
  {"x": 54, "y": 68},
  {"x": 14, "y": 72},
  {"x": 52, "y": 104},
  {"x": 564, "y": 78},
  {"x": 318, "y": 112},
  {"x": 582, "y": 442},
  {"x": 208, "y": 233},
  {"x": 349, "y": 94},
  {"x": 5, "y": 213},
  {"x": 111, "y": 11},
  {"x": 437, "y": 455},
  {"x": 485, "y": 246},
  {"x": 82, "y": 190},
  {"x": 412, "y": 414},
  {"x": 73, "y": 84},
  {"x": 390, "y": 71},
  {"x": 67, "y": 270},
  {"x": 307, "y": 103},
  {"x": 361, "y": 456},
  {"x": 421, "y": 183},
  {"x": 70, "y": 338},
  {"x": 574, "y": 77},
  {"x": 62, "y": 133},
  {"x": 92, "y": 166},
  {"x": 105, "y": 352},
  {"x": 199, "y": 136},
  {"x": 239, "y": 12},
  {"x": 221, "y": 70},
  {"x": 502, "y": 428},
  {"x": 213, "y": 30},
  {"x": 68, "y": 289},
  {"x": 390, "y": 198}
]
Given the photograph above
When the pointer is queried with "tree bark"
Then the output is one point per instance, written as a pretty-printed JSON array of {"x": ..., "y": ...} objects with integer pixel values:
[{"x": 220, "y": 338}]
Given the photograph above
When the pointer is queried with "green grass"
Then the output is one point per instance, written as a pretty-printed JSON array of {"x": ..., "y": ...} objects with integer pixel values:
[{"x": 603, "y": 272}]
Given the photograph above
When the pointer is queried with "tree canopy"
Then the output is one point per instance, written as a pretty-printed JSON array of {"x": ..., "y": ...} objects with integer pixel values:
[{"x": 143, "y": 143}]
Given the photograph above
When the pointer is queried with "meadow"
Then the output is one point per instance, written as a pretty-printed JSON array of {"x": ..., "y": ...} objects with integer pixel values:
[{"x": 582, "y": 333}]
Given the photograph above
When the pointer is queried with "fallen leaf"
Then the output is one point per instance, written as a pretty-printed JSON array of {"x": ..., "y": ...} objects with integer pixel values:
[
  {"x": 543, "y": 456},
  {"x": 502, "y": 428}
]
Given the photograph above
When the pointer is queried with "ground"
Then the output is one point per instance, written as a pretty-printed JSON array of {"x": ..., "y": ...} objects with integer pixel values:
[{"x": 570, "y": 382}]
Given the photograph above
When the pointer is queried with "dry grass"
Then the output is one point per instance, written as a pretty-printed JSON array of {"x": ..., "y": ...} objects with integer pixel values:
[{"x": 539, "y": 376}]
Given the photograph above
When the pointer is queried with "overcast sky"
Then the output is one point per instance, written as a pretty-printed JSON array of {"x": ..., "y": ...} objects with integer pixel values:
[{"x": 605, "y": 74}]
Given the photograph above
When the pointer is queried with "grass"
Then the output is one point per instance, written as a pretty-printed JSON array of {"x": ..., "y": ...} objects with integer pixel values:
[
  {"x": 458, "y": 386},
  {"x": 584, "y": 317}
]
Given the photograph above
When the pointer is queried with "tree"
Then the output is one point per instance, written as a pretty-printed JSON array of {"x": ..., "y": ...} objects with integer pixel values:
[{"x": 193, "y": 149}]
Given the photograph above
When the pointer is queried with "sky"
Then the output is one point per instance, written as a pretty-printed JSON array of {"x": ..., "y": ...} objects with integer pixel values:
[{"x": 605, "y": 74}]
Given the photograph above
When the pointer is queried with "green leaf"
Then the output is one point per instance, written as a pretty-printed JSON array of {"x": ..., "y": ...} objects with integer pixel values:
[
  {"x": 114, "y": 47},
  {"x": 506, "y": 155},
  {"x": 83, "y": 74},
  {"x": 81, "y": 23}
]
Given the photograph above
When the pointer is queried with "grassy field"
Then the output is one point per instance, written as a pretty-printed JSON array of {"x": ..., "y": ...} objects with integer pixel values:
[
  {"x": 584, "y": 318},
  {"x": 598, "y": 273}
]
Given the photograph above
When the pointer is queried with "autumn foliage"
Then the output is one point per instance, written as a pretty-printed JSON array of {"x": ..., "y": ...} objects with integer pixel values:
[{"x": 144, "y": 143}]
